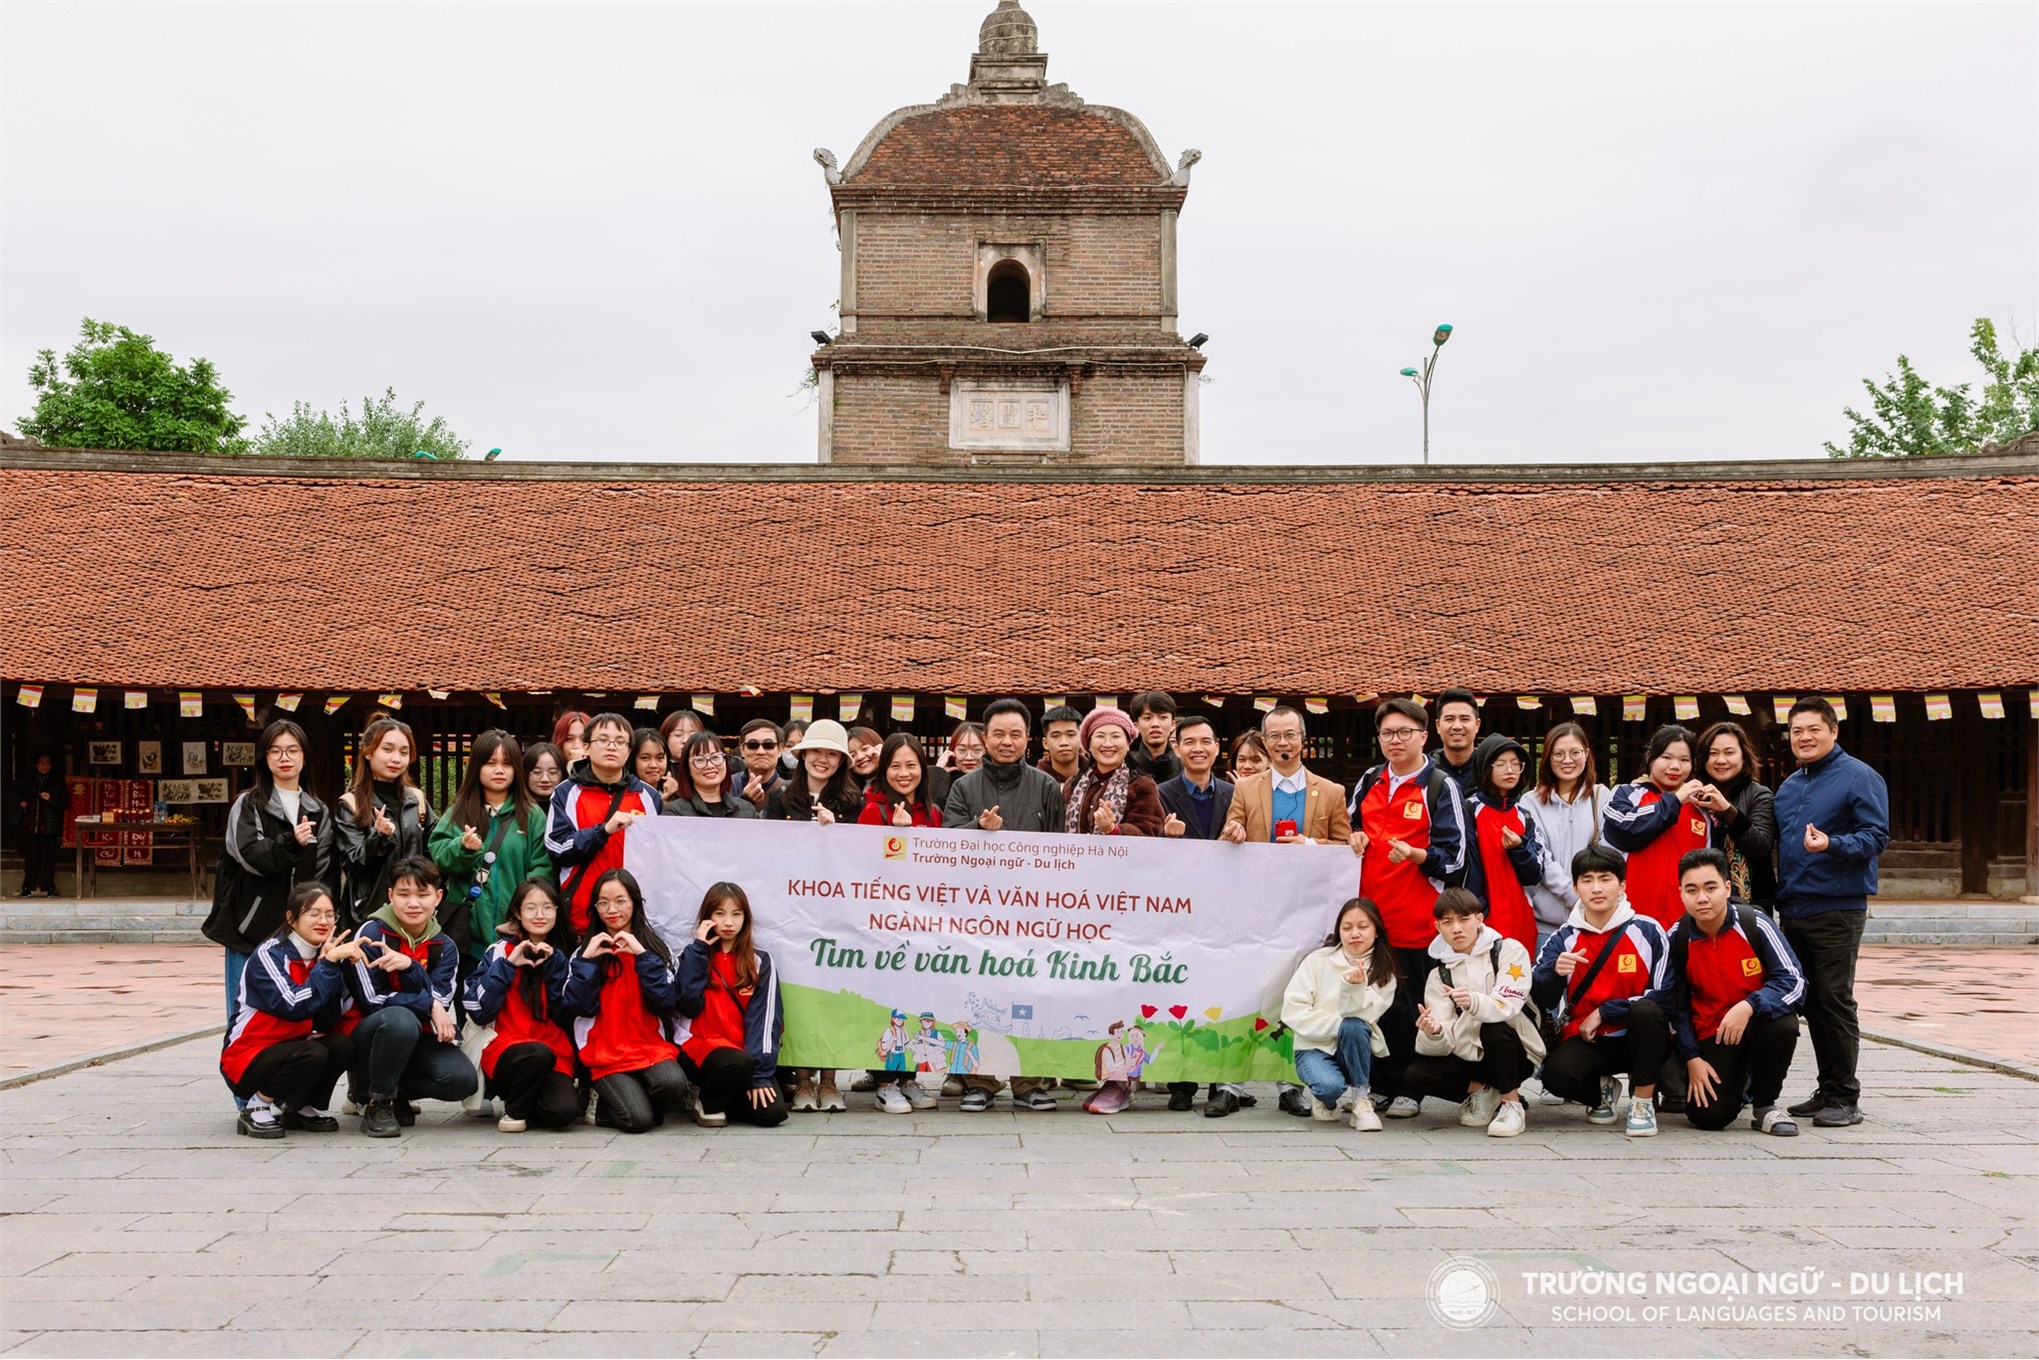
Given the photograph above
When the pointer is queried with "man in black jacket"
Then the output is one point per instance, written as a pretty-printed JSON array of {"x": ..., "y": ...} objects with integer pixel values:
[
  {"x": 39, "y": 801},
  {"x": 1196, "y": 802},
  {"x": 1154, "y": 715}
]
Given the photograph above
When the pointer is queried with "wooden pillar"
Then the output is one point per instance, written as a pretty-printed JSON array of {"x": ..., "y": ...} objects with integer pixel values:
[
  {"x": 2031, "y": 810},
  {"x": 1975, "y": 757}
]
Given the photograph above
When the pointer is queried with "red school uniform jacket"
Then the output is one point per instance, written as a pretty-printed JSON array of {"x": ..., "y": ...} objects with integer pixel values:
[
  {"x": 283, "y": 996},
  {"x": 621, "y": 1005},
  {"x": 1508, "y": 907},
  {"x": 1654, "y": 831},
  {"x": 495, "y": 995},
  {"x": 1407, "y": 891}
]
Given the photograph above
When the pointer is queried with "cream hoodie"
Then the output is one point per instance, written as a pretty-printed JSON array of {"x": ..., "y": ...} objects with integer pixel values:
[
  {"x": 1498, "y": 997},
  {"x": 1319, "y": 1000}
]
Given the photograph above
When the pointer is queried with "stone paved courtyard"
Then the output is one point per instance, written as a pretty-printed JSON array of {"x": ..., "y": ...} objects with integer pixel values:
[{"x": 137, "y": 1223}]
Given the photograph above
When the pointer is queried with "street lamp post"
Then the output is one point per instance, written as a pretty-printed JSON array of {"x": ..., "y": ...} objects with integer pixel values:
[{"x": 1422, "y": 381}]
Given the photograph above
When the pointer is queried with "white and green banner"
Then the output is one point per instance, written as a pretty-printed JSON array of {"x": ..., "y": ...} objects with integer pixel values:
[{"x": 1002, "y": 953}]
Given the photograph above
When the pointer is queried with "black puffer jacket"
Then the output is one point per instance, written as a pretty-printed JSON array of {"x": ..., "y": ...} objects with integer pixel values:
[
  {"x": 365, "y": 854},
  {"x": 1751, "y": 831},
  {"x": 263, "y": 863}
]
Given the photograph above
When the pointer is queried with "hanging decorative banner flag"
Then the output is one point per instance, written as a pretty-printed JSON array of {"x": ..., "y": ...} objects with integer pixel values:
[
  {"x": 1840, "y": 706},
  {"x": 647, "y": 701},
  {"x": 849, "y": 707},
  {"x": 2032, "y": 702},
  {"x": 902, "y": 708},
  {"x": 84, "y": 700},
  {"x": 749, "y": 691},
  {"x": 1265, "y": 703},
  {"x": 1480, "y": 700},
  {"x": 1992, "y": 703},
  {"x": 1214, "y": 701},
  {"x": 247, "y": 703},
  {"x": 1781, "y": 706},
  {"x": 390, "y": 700},
  {"x": 1107, "y": 701},
  {"x": 1528, "y": 701},
  {"x": 1938, "y": 708},
  {"x": 1366, "y": 698},
  {"x": 336, "y": 702},
  {"x": 705, "y": 703},
  {"x": 956, "y": 708},
  {"x": 1685, "y": 706},
  {"x": 288, "y": 702},
  {"x": 1585, "y": 705},
  {"x": 802, "y": 709},
  {"x": 1737, "y": 704},
  {"x": 1633, "y": 706},
  {"x": 1883, "y": 707},
  {"x": 189, "y": 703},
  {"x": 438, "y": 693},
  {"x": 29, "y": 696},
  {"x": 137, "y": 698},
  {"x": 1317, "y": 705},
  {"x": 495, "y": 698},
  {"x": 1054, "y": 701}
]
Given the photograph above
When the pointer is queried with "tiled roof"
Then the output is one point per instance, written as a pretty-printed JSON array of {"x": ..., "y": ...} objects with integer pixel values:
[
  {"x": 479, "y": 581},
  {"x": 1008, "y": 145}
]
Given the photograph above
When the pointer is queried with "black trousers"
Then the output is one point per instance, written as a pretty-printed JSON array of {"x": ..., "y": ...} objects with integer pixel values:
[
  {"x": 39, "y": 862},
  {"x": 638, "y": 1102},
  {"x": 1756, "y": 1066},
  {"x": 532, "y": 1090},
  {"x": 298, "y": 1074},
  {"x": 1503, "y": 1065},
  {"x": 1574, "y": 1068},
  {"x": 1397, "y": 1024},
  {"x": 1827, "y": 945},
  {"x": 725, "y": 1078}
]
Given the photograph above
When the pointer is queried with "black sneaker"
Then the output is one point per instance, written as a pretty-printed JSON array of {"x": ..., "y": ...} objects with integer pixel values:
[
  {"x": 1180, "y": 1099},
  {"x": 976, "y": 1101},
  {"x": 309, "y": 1120},
  {"x": 1221, "y": 1103},
  {"x": 1805, "y": 1109},
  {"x": 259, "y": 1121},
  {"x": 379, "y": 1120},
  {"x": 406, "y": 1113},
  {"x": 1835, "y": 1115}
]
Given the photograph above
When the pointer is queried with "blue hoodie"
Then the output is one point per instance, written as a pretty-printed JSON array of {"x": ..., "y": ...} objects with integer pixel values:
[{"x": 1848, "y": 801}]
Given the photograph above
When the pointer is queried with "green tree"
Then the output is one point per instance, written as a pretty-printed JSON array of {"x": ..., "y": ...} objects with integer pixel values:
[
  {"x": 383, "y": 430},
  {"x": 1911, "y": 418},
  {"x": 116, "y": 390}
]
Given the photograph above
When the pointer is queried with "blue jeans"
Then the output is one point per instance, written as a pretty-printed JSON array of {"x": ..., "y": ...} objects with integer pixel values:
[{"x": 1329, "y": 1074}]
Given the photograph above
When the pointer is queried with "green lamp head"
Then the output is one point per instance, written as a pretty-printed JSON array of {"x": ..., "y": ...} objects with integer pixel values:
[
  {"x": 1443, "y": 334},
  {"x": 1408, "y": 372}
]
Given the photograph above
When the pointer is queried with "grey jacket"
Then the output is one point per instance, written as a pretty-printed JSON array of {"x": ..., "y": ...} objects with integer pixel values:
[{"x": 1027, "y": 799}]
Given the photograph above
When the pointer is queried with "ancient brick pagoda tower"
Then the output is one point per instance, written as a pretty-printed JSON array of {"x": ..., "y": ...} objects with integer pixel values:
[{"x": 1008, "y": 279}]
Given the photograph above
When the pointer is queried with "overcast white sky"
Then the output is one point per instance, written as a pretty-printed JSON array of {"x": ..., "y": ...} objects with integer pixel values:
[{"x": 594, "y": 231}]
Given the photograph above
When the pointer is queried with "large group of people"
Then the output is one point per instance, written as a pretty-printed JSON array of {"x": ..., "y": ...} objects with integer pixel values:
[{"x": 1521, "y": 931}]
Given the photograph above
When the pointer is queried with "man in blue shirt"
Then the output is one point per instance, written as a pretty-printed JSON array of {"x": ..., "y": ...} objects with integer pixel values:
[{"x": 1833, "y": 820}]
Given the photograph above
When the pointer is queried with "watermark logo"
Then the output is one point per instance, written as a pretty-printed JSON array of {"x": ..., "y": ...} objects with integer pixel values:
[{"x": 1463, "y": 1293}]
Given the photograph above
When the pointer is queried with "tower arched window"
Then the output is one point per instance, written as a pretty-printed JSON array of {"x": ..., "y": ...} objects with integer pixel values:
[{"x": 1008, "y": 293}]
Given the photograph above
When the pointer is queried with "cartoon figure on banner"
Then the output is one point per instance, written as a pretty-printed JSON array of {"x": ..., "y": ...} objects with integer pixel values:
[
  {"x": 930, "y": 1053},
  {"x": 1137, "y": 1054},
  {"x": 963, "y": 1049},
  {"x": 893, "y": 1045},
  {"x": 1111, "y": 1054}
]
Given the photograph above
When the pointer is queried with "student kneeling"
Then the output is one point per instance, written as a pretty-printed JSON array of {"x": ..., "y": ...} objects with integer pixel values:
[
  {"x": 404, "y": 981},
  {"x": 1732, "y": 989},
  {"x": 731, "y": 998},
  {"x": 621, "y": 988},
  {"x": 1593, "y": 977},
  {"x": 519, "y": 988},
  {"x": 1333, "y": 1007},
  {"x": 1474, "y": 1043},
  {"x": 285, "y": 1050}
]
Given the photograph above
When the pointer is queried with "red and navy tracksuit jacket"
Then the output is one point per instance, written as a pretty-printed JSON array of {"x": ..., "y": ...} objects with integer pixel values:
[
  {"x": 495, "y": 996},
  {"x": 1705, "y": 977},
  {"x": 1654, "y": 830},
  {"x": 1424, "y": 812},
  {"x": 1635, "y": 969},
  {"x": 763, "y": 1023},
  {"x": 1500, "y": 875},
  {"x": 575, "y": 837},
  {"x": 435, "y": 966},
  {"x": 285, "y": 994},
  {"x": 623, "y": 1011}
]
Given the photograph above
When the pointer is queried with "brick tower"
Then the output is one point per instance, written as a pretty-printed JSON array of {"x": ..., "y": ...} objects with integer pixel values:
[{"x": 1008, "y": 279}]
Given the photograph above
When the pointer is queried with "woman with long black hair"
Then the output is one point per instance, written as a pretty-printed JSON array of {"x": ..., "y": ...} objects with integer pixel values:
[
  {"x": 383, "y": 818},
  {"x": 519, "y": 990},
  {"x": 489, "y": 841},
  {"x": 623, "y": 995}
]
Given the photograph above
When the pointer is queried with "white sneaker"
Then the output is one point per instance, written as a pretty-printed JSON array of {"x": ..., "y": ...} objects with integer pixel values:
[
  {"x": 1352, "y": 1093},
  {"x": 827, "y": 1097},
  {"x": 508, "y": 1125},
  {"x": 916, "y": 1096},
  {"x": 892, "y": 1100},
  {"x": 1476, "y": 1111},
  {"x": 1365, "y": 1118},
  {"x": 702, "y": 1116},
  {"x": 1509, "y": 1120},
  {"x": 1544, "y": 1095},
  {"x": 803, "y": 1095},
  {"x": 1319, "y": 1111},
  {"x": 1404, "y": 1107}
]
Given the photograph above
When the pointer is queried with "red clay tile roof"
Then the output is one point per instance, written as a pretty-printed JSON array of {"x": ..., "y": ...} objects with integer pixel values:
[
  {"x": 1007, "y": 145},
  {"x": 500, "y": 583}
]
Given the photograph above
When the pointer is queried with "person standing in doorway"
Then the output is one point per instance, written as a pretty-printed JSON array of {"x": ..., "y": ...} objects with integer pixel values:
[{"x": 39, "y": 802}]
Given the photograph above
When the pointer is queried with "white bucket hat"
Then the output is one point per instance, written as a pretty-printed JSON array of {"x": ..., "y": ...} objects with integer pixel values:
[{"x": 825, "y": 735}]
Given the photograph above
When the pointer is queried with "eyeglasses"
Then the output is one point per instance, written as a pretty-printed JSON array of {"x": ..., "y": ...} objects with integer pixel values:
[
  {"x": 292, "y": 751},
  {"x": 761, "y": 746},
  {"x": 608, "y": 741},
  {"x": 708, "y": 758},
  {"x": 1398, "y": 733}
]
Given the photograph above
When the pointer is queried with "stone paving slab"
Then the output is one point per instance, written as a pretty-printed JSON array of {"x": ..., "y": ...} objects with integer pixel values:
[{"x": 135, "y": 1222}]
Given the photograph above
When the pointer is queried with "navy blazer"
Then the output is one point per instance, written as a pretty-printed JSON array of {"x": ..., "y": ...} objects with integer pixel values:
[{"x": 1175, "y": 798}]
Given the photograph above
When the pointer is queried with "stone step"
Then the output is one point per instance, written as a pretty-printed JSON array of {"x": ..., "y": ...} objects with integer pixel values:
[{"x": 61, "y": 908}]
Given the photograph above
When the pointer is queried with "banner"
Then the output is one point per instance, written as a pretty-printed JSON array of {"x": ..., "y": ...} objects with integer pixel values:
[{"x": 1010, "y": 954}]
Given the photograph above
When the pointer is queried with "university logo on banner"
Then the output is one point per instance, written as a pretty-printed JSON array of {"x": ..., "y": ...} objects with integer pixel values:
[{"x": 1014, "y": 954}]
